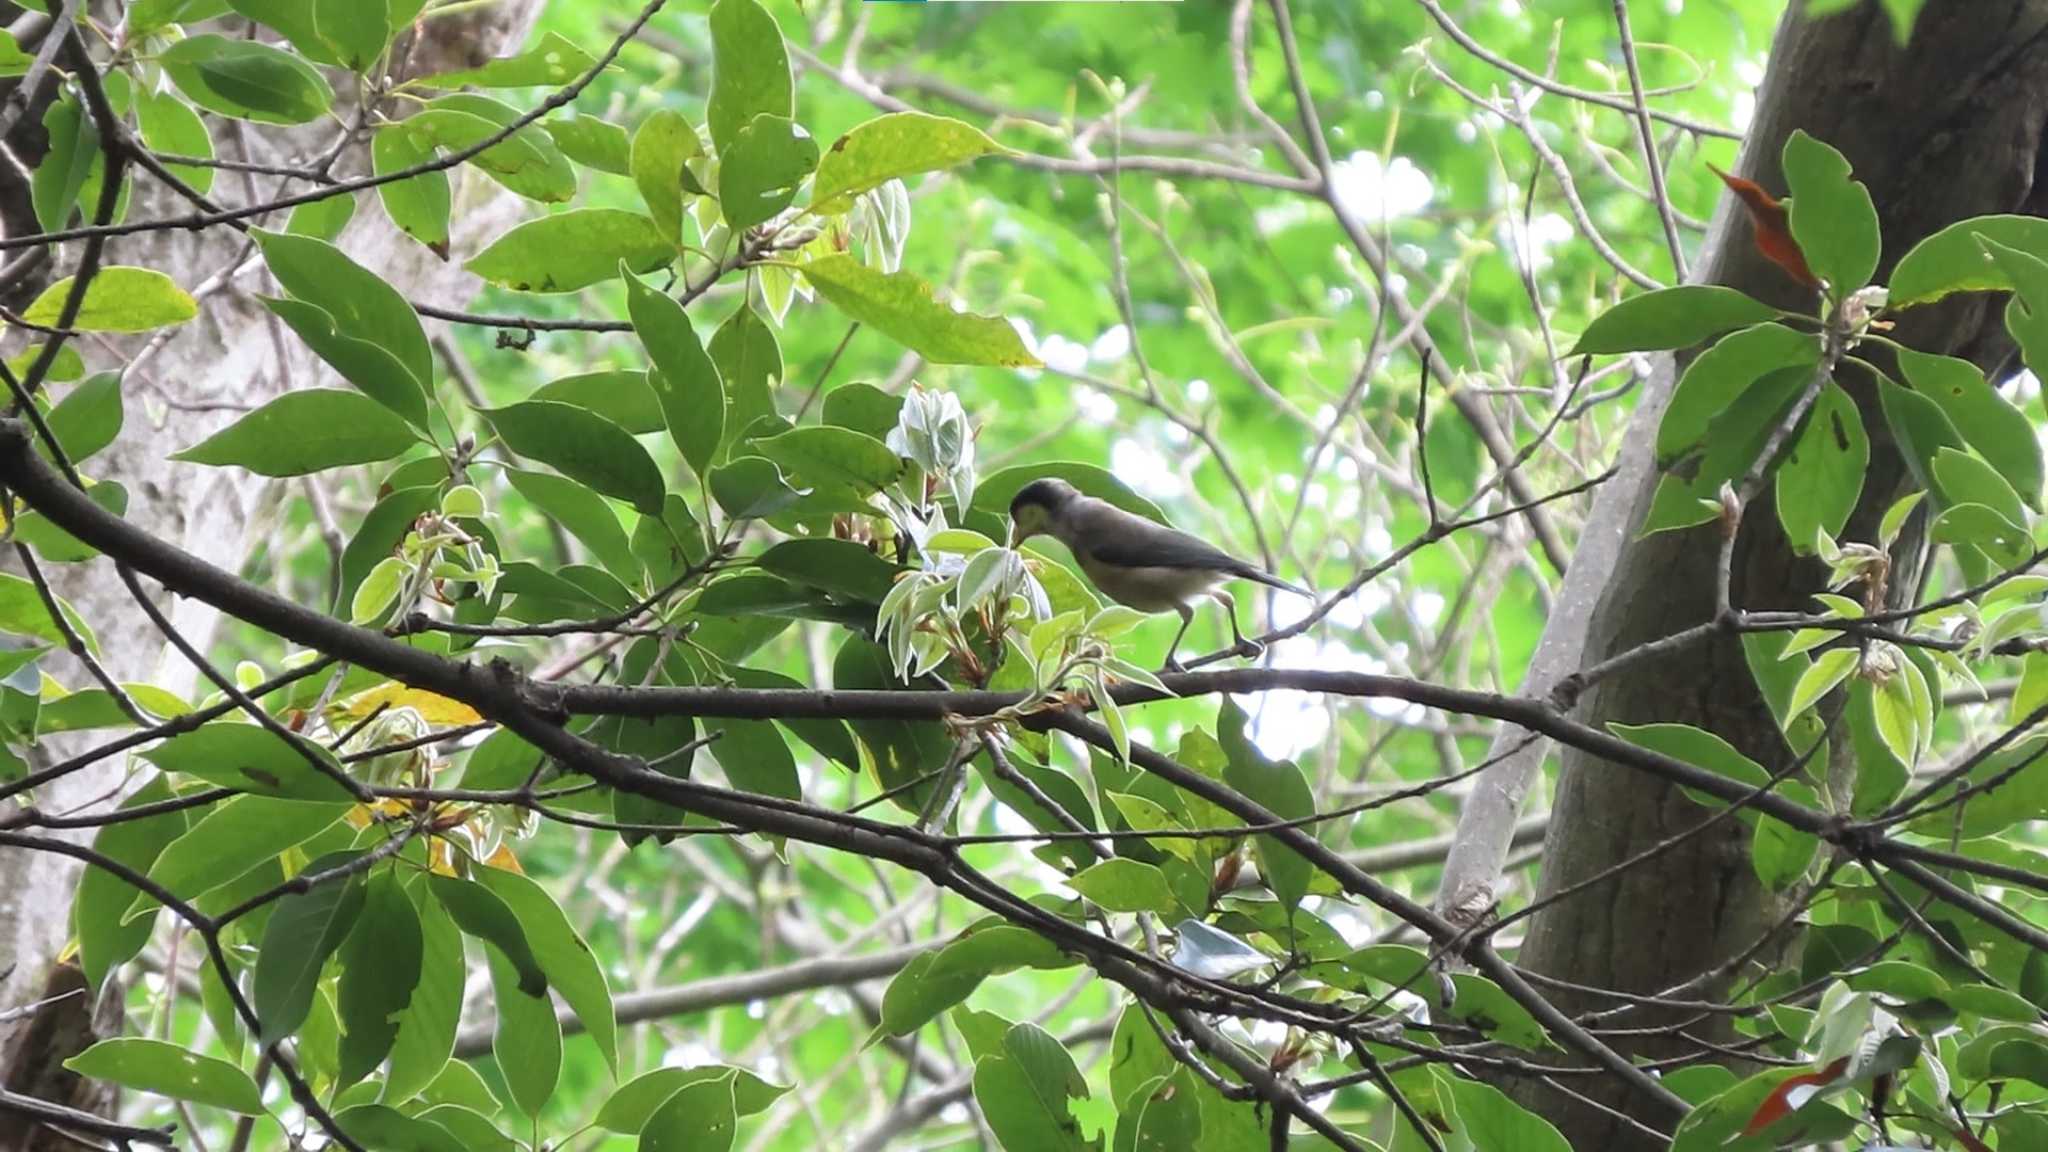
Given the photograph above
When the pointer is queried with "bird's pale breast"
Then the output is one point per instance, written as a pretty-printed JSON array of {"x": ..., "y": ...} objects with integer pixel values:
[{"x": 1149, "y": 589}]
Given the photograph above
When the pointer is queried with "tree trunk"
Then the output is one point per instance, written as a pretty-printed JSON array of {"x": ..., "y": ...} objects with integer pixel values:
[
  {"x": 234, "y": 356},
  {"x": 1946, "y": 128}
]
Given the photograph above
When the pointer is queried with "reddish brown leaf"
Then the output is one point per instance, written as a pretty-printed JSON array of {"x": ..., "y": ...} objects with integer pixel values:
[
  {"x": 1772, "y": 226},
  {"x": 1786, "y": 1098}
]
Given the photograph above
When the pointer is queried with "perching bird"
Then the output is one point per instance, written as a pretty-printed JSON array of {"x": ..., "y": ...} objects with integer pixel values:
[{"x": 1134, "y": 561}]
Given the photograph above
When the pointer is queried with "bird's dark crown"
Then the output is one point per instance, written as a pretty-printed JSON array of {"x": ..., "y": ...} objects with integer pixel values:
[{"x": 1048, "y": 493}]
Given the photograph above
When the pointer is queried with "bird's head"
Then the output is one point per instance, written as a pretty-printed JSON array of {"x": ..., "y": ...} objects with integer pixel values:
[{"x": 1037, "y": 505}]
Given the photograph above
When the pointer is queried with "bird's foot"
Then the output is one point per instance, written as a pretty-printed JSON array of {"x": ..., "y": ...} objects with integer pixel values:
[
  {"x": 1174, "y": 665},
  {"x": 1250, "y": 649}
]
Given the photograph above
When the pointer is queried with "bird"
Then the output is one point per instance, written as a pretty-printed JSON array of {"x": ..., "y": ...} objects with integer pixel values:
[{"x": 1138, "y": 563}]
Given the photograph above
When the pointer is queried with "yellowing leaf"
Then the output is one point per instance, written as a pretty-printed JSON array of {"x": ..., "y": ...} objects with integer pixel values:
[{"x": 434, "y": 709}]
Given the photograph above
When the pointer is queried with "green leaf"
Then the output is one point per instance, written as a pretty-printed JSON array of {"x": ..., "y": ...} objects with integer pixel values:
[
  {"x": 553, "y": 62},
  {"x": 1953, "y": 259},
  {"x": 1495, "y": 1123},
  {"x": 234, "y": 836},
  {"x": 294, "y": 20},
  {"x": 890, "y": 148},
  {"x": 841, "y": 567},
  {"x": 750, "y": 362},
  {"x": 619, "y": 396},
  {"x": 164, "y": 1069},
  {"x": 939, "y": 979},
  {"x": 386, "y": 1129},
  {"x": 1280, "y": 787},
  {"x": 2022, "y": 796},
  {"x": 88, "y": 418},
  {"x": 368, "y": 366},
  {"x": 1718, "y": 378},
  {"x": 825, "y": 455},
  {"x": 1833, "y": 218},
  {"x": 482, "y": 913},
  {"x": 900, "y": 305},
  {"x": 306, "y": 431},
  {"x": 701, "y": 1116},
  {"x": 629, "y": 1107},
  {"x": 683, "y": 379},
  {"x": 304, "y": 930},
  {"x": 584, "y": 514},
  {"x": 1121, "y": 885},
  {"x": 867, "y": 409},
  {"x": 572, "y": 970},
  {"x": 1670, "y": 318},
  {"x": 118, "y": 299},
  {"x": 106, "y": 938},
  {"x": 428, "y": 1023},
  {"x": 321, "y": 219},
  {"x": 1987, "y": 421},
  {"x": 1821, "y": 475},
  {"x": 1831, "y": 668},
  {"x": 2026, "y": 316},
  {"x": 1735, "y": 439},
  {"x": 363, "y": 305},
  {"x": 583, "y": 446},
  {"x": 380, "y": 970},
  {"x": 751, "y": 488},
  {"x": 1966, "y": 479},
  {"x": 749, "y": 70},
  {"x": 1921, "y": 427},
  {"x": 1026, "y": 1093},
  {"x": 420, "y": 205},
  {"x": 15, "y": 62},
  {"x": 571, "y": 250},
  {"x": 249, "y": 758},
  {"x": 74, "y": 150},
  {"x": 663, "y": 143},
  {"x": 528, "y": 1039},
  {"x": 756, "y": 758},
  {"x": 23, "y": 612},
  {"x": 526, "y": 162},
  {"x": 357, "y": 32},
  {"x": 593, "y": 143},
  {"x": 760, "y": 168},
  {"x": 246, "y": 80},
  {"x": 169, "y": 125}
]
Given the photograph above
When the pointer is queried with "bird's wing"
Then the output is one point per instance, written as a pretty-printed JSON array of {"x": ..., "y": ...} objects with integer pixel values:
[{"x": 1114, "y": 536}]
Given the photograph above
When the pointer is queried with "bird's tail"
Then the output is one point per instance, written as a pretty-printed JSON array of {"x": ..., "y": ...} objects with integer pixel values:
[{"x": 1271, "y": 581}]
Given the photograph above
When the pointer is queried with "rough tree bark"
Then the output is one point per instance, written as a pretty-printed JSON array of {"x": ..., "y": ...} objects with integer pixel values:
[
  {"x": 232, "y": 357},
  {"x": 1946, "y": 128}
]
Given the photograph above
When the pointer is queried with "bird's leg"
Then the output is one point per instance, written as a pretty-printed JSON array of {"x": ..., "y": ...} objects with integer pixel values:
[
  {"x": 1187, "y": 617},
  {"x": 1247, "y": 648}
]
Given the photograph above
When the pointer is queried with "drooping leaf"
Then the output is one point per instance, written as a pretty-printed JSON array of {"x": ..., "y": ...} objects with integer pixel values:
[
  {"x": 1953, "y": 259},
  {"x": 593, "y": 143},
  {"x": 106, "y": 938},
  {"x": 380, "y": 971},
  {"x": 528, "y": 1038},
  {"x": 482, "y": 913},
  {"x": 571, "y": 968},
  {"x": 683, "y": 379},
  {"x": 420, "y": 205},
  {"x": 663, "y": 143},
  {"x": 304, "y": 929},
  {"x": 1986, "y": 420},
  {"x": 1822, "y": 473}
]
